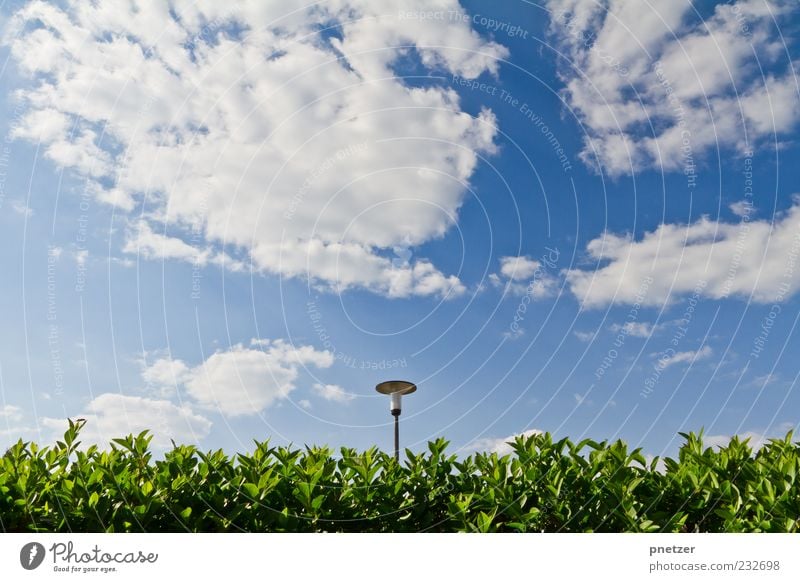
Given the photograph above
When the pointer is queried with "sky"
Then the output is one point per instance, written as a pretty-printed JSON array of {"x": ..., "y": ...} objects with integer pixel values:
[{"x": 227, "y": 222}]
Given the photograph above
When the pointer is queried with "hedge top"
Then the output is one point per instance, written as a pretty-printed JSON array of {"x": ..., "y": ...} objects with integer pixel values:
[{"x": 543, "y": 485}]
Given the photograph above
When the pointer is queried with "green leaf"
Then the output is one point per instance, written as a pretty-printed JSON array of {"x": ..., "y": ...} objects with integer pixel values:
[{"x": 251, "y": 490}]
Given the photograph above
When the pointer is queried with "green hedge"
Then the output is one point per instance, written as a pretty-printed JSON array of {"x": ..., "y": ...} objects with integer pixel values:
[{"x": 544, "y": 485}]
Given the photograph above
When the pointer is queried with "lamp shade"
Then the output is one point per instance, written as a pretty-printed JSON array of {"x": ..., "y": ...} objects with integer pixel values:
[
  {"x": 396, "y": 389},
  {"x": 396, "y": 386}
]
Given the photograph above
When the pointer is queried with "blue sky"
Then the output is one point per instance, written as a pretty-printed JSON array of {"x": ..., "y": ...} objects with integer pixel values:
[{"x": 229, "y": 224}]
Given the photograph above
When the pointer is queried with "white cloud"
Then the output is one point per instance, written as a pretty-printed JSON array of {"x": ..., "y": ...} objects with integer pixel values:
[
  {"x": 22, "y": 209},
  {"x": 634, "y": 328},
  {"x": 765, "y": 380},
  {"x": 166, "y": 372},
  {"x": 333, "y": 393},
  {"x": 656, "y": 86},
  {"x": 152, "y": 245},
  {"x": 11, "y": 434},
  {"x": 518, "y": 268},
  {"x": 757, "y": 258},
  {"x": 245, "y": 123},
  {"x": 111, "y": 416},
  {"x": 9, "y": 413},
  {"x": 346, "y": 266},
  {"x": 241, "y": 380},
  {"x": 584, "y": 336},
  {"x": 671, "y": 358},
  {"x": 524, "y": 276},
  {"x": 741, "y": 208},
  {"x": 500, "y": 446}
]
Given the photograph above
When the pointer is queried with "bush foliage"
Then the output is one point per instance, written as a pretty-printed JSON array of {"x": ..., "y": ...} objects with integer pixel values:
[{"x": 544, "y": 485}]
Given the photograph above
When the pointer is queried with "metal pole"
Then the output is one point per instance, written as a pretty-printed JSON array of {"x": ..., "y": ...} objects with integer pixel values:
[
  {"x": 396, "y": 435},
  {"x": 396, "y": 389}
]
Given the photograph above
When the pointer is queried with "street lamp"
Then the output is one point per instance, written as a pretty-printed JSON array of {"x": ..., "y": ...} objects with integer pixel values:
[{"x": 396, "y": 389}]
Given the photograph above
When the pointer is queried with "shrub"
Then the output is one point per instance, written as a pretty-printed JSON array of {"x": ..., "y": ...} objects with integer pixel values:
[{"x": 544, "y": 485}]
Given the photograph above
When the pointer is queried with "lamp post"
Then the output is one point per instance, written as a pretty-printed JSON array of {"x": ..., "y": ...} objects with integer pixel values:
[{"x": 396, "y": 389}]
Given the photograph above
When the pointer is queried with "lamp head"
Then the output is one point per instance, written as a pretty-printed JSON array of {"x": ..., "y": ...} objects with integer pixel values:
[{"x": 396, "y": 389}]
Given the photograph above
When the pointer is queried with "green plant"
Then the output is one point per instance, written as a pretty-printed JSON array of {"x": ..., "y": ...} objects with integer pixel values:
[{"x": 544, "y": 485}]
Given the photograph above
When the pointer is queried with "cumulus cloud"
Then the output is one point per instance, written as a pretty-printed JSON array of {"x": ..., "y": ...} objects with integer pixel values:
[
  {"x": 247, "y": 124},
  {"x": 166, "y": 372},
  {"x": 523, "y": 275},
  {"x": 144, "y": 242},
  {"x": 634, "y": 328},
  {"x": 755, "y": 259},
  {"x": 741, "y": 208},
  {"x": 516, "y": 268},
  {"x": 584, "y": 336},
  {"x": 10, "y": 413},
  {"x": 333, "y": 393},
  {"x": 241, "y": 380},
  {"x": 671, "y": 357},
  {"x": 501, "y": 446},
  {"x": 111, "y": 416},
  {"x": 657, "y": 86}
]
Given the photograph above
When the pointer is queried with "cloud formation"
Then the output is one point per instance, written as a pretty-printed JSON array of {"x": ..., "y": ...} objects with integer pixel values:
[
  {"x": 524, "y": 276},
  {"x": 634, "y": 328},
  {"x": 9, "y": 412},
  {"x": 333, "y": 393},
  {"x": 285, "y": 134},
  {"x": 241, "y": 380},
  {"x": 518, "y": 268},
  {"x": 111, "y": 416},
  {"x": 751, "y": 259},
  {"x": 657, "y": 86},
  {"x": 671, "y": 357}
]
